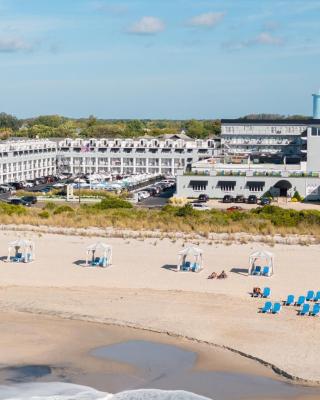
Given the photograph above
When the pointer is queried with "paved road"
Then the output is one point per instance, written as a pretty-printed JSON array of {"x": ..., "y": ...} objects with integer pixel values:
[{"x": 157, "y": 201}]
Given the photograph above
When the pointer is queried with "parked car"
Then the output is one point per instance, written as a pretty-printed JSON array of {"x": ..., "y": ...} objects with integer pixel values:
[
  {"x": 252, "y": 199},
  {"x": 46, "y": 189},
  {"x": 200, "y": 206},
  {"x": 234, "y": 208},
  {"x": 19, "y": 202},
  {"x": 30, "y": 199},
  {"x": 265, "y": 201},
  {"x": 17, "y": 185},
  {"x": 227, "y": 199},
  {"x": 8, "y": 188},
  {"x": 239, "y": 199},
  {"x": 203, "y": 198}
]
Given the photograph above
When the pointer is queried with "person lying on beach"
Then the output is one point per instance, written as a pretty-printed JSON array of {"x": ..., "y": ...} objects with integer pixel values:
[
  {"x": 212, "y": 276},
  {"x": 223, "y": 275},
  {"x": 256, "y": 292}
]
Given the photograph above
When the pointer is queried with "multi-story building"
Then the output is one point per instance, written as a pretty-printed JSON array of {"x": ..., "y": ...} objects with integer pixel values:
[
  {"x": 132, "y": 156},
  {"x": 217, "y": 179},
  {"x": 266, "y": 139},
  {"x": 27, "y": 159}
]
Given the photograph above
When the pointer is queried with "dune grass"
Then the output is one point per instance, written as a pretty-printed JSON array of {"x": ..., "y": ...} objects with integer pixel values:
[{"x": 118, "y": 213}]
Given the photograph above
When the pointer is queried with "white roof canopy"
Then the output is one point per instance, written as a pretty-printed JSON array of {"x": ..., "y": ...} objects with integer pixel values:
[
  {"x": 261, "y": 258},
  {"x": 191, "y": 251}
]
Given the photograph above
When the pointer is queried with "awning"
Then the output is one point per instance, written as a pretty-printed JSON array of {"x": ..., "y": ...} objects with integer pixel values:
[
  {"x": 256, "y": 184},
  {"x": 227, "y": 183},
  {"x": 194, "y": 183}
]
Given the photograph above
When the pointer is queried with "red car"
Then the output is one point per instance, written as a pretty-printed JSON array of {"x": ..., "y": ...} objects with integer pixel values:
[{"x": 234, "y": 208}]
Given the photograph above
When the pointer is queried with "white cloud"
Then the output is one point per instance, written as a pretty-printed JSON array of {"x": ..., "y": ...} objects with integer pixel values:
[
  {"x": 207, "y": 20},
  {"x": 147, "y": 26},
  {"x": 266, "y": 38},
  {"x": 262, "y": 39},
  {"x": 14, "y": 45}
]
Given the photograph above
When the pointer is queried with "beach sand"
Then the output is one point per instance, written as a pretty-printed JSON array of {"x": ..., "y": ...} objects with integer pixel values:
[{"x": 140, "y": 290}]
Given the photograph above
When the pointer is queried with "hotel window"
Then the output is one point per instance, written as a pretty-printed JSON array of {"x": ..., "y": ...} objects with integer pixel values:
[
  {"x": 198, "y": 186},
  {"x": 256, "y": 186},
  {"x": 227, "y": 186}
]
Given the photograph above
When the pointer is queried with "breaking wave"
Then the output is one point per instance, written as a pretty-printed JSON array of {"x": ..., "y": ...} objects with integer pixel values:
[{"x": 66, "y": 391}]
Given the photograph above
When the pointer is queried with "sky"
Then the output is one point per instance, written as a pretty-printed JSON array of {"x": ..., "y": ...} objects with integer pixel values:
[{"x": 172, "y": 59}]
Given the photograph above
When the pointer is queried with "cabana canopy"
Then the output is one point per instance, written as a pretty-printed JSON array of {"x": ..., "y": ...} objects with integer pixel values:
[
  {"x": 190, "y": 259},
  {"x": 261, "y": 263},
  {"x": 99, "y": 254},
  {"x": 21, "y": 250}
]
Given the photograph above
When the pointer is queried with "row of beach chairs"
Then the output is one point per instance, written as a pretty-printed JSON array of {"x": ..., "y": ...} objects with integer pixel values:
[
  {"x": 302, "y": 301},
  {"x": 311, "y": 296}
]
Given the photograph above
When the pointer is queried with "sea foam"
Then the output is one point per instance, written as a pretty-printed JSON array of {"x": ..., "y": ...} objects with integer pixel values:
[{"x": 66, "y": 391}]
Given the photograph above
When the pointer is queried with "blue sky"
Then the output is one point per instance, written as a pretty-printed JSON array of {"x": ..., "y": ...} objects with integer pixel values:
[{"x": 159, "y": 58}]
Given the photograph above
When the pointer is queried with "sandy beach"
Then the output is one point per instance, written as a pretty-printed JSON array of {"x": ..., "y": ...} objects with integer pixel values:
[{"x": 141, "y": 290}]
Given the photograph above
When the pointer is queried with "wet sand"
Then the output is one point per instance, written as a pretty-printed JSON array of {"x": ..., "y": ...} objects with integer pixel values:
[{"x": 113, "y": 359}]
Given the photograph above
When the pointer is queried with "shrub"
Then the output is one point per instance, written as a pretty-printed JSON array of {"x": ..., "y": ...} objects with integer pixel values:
[
  {"x": 50, "y": 206},
  {"x": 63, "y": 209},
  {"x": 44, "y": 214},
  {"x": 297, "y": 196},
  {"x": 112, "y": 202},
  {"x": 186, "y": 211},
  {"x": 10, "y": 209}
]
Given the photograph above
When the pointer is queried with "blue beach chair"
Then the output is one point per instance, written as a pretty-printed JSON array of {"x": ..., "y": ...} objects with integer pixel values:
[
  {"x": 300, "y": 301},
  {"x": 276, "y": 308},
  {"x": 17, "y": 258},
  {"x": 266, "y": 271},
  {"x": 305, "y": 309},
  {"x": 289, "y": 301},
  {"x": 95, "y": 262},
  {"x": 257, "y": 270},
  {"x": 267, "y": 307},
  {"x": 317, "y": 296},
  {"x": 266, "y": 292},
  {"x": 315, "y": 311},
  {"x": 310, "y": 295}
]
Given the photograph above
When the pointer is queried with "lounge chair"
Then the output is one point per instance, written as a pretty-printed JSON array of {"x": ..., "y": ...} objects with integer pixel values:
[
  {"x": 289, "y": 301},
  {"x": 195, "y": 267},
  {"x": 17, "y": 258},
  {"x": 305, "y": 309},
  {"x": 103, "y": 262},
  {"x": 95, "y": 262},
  {"x": 317, "y": 296},
  {"x": 266, "y": 292},
  {"x": 186, "y": 266},
  {"x": 316, "y": 310},
  {"x": 266, "y": 271},
  {"x": 267, "y": 307},
  {"x": 276, "y": 308},
  {"x": 310, "y": 295},
  {"x": 256, "y": 270},
  {"x": 300, "y": 301}
]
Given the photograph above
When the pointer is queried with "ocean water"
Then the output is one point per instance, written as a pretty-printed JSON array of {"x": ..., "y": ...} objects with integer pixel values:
[{"x": 66, "y": 391}]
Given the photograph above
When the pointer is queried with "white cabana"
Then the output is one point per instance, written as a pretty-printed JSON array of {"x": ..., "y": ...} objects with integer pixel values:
[
  {"x": 261, "y": 263},
  {"x": 21, "y": 250},
  {"x": 99, "y": 255},
  {"x": 190, "y": 259}
]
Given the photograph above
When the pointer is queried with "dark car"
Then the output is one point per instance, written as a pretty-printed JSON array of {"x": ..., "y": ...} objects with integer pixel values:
[
  {"x": 227, "y": 199},
  {"x": 17, "y": 185},
  {"x": 239, "y": 199},
  {"x": 252, "y": 199},
  {"x": 30, "y": 199},
  {"x": 203, "y": 198},
  {"x": 265, "y": 201},
  {"x": 19, "y": 202},
  {"x": 46, "y": 189}
]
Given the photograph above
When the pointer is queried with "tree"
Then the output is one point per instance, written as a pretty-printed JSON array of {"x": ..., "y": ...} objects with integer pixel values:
[
  {"x": 9, "y": 121},
  {"x": 135, "y": 127},
  {"x": 53, "y": 121}
]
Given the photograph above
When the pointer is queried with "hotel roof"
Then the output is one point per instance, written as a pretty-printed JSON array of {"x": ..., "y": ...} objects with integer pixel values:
[{"x": 306, "y": 122}]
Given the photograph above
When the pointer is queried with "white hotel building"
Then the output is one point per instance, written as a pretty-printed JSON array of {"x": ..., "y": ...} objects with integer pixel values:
[
  {"x": 27, "y": 159},
  {"x": 132, "y": 156}
]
